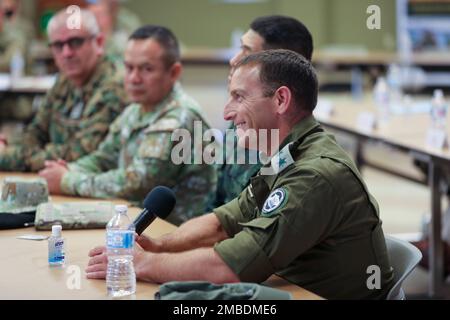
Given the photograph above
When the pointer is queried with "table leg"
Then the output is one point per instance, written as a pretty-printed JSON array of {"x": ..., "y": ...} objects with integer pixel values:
[{"x": 436, "y": 261}]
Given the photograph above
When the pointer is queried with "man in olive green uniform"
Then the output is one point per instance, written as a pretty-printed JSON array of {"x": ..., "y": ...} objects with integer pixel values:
[
  {"x": 16, "y": 33},
  {"x": 76, "y": 113},
  {"x": 268, "y": 32},
  {"x": 137, "y": 153},
  {"x": 307, "y": 216}
]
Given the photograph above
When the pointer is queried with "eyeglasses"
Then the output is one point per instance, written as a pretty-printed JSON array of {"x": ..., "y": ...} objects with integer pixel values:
[{"x": 73, "y": 43}]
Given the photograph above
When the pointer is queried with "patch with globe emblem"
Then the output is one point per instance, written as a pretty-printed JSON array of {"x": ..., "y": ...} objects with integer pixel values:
[{"x": 275, "y": 200}]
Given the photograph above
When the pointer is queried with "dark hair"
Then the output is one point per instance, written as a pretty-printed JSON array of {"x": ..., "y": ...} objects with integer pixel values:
[
  {"x": 280, "y": 32},
  {"x": 164, "y": 37},
  {"x": 286, "y": 68}
]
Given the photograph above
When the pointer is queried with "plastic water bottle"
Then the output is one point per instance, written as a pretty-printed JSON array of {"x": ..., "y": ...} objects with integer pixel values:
[
  {"x": 381, "y": 98},
  {"x": 120, "y": 275},
  {"x": 56, "y": 255},
  {"x": 394, "y": 81},
  {"x": 17, "y": 66},
  {"x": 439, "y": 110}
]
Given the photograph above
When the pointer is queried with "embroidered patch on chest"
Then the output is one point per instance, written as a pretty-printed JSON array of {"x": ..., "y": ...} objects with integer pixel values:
[{"x": 275, "y": 200}]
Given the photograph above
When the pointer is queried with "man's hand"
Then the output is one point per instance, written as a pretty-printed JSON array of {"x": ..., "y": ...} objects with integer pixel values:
[
  {"x": 53, "y": 173},
  {"x": 148, "y": 244},
  {"x": 98, "y": 263}
]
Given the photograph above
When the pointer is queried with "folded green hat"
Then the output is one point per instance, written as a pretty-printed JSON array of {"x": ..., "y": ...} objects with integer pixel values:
[{"x": 202, "y": 290}]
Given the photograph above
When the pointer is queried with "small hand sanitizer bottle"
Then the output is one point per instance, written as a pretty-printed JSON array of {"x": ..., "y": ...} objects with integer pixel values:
[{"x": 56, "y": 254}]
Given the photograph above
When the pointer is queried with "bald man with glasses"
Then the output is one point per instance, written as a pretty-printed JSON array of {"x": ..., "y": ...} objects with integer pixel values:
[{"x": 77, "y": 111}]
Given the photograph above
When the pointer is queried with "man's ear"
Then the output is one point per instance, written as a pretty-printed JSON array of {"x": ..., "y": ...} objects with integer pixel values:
[
  {"x": 175, "y": 71},
  {"x": 100, "y": 42},
  {"x": 283, "y": 99}
]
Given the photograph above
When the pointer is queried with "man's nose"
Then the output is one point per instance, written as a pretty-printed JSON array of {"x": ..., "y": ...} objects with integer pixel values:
[
  {"x": 135, "y": 76},
  {"x": 66, "y": 50},
  {"x": 238, "y": 56},
  {"x": 229, "y": 111}
]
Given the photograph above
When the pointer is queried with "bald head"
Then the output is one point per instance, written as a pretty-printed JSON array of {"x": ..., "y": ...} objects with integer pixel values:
[
  {"x": 63, "y": 19},
  {"x": 76, "y": 46}
]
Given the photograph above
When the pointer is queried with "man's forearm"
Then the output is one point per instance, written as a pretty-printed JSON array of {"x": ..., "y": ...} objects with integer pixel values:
[
  {"x": 200, "y": 232},
  {"x": 202, "y": 264}
]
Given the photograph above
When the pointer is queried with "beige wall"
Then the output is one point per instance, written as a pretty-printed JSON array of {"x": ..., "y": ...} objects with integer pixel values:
[{"x": 210, "y": 22}]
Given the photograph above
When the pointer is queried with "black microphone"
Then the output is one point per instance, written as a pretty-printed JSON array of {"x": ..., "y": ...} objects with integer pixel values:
[{"x": 158, "y": 203}]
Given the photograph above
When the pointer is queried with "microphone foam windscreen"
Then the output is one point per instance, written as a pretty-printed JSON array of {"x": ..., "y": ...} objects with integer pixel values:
[{"x": 160, "y": 201}]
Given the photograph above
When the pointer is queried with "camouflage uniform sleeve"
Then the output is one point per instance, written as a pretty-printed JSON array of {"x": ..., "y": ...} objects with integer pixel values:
[
  {"x": 135, "y": 180},
  {"x": 29, "y": 143},
  {"x": 87, "y": 140},
  {"x": 102, "y": 159}
]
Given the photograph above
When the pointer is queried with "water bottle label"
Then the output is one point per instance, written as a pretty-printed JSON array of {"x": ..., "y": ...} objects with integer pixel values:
[{"x": 120, "y": 239}]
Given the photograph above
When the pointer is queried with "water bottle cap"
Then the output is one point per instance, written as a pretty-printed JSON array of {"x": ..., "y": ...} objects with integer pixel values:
[
  {"x": 56, "y": 230},
  {"x": 438, "y": 94},
  {"x": 121, "y": 208}
]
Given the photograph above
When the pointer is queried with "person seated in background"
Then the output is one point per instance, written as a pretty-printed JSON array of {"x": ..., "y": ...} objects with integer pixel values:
[
  {"x": 16, "y": 32},
  {"x": 75, "y": 114},
  {"x": 268, "y": 32},
  {"x": 307, "y": 217},
  {"x": 116, "y": 23},
  {"x": 136, "y": 154}
]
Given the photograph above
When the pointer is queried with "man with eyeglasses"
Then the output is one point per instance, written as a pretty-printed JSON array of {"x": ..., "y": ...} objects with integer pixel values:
[
  {"x": 75, "y": 115},
  {"x": 137, "y": 153}
]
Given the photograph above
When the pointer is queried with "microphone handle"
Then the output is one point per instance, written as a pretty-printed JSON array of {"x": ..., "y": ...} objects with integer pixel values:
[{"x": 143, "y": 221}]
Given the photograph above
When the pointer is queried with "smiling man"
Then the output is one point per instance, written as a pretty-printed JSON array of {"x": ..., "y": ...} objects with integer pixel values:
[
  {"x": 267, "y": 32},
  {"x": 136, "y": 154},
  {"x": 75, "y": 114},
  {"x": 312, "y": 221}
]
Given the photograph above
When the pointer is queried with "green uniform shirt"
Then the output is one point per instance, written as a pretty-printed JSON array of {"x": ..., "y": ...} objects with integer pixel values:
[
  {"x": 71, "y": 122},
  {"x": 232, "y": 176},
  {"x": 136, "y": 156},
  {"x": 313, "y": 223}
]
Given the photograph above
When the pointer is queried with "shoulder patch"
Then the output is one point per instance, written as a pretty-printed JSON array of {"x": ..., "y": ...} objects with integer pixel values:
[{"x": 275, "y": 200}]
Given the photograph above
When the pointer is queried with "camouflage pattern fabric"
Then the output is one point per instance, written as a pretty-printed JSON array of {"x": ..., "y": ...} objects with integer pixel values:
[
  {"x": 136, "y": 156},
  {"x": 19, "y": 195},
  {"x": 73, "y": 215},
  {"x": 71, "y": 122},
  {"x": 232, "y": 177}
]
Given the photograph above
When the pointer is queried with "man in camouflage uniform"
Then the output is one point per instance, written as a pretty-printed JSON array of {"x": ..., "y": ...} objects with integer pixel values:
[
  {"x": 136, "y": 154},
  {"x": 116, "y": 22},
  {"x": 76, "y": 113},
  {"x": 270, "y": 32}
]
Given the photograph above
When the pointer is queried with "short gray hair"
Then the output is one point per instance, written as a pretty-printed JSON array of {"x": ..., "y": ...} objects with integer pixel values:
[{"x": 87, "y": 22}]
